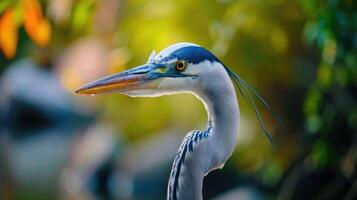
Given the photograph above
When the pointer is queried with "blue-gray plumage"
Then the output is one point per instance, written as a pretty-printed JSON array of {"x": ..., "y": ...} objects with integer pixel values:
[{"x": 189, "y": 68}]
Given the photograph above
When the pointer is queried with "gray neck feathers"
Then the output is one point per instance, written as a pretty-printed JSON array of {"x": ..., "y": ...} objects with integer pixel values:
[{"x": 204, "y": 151}]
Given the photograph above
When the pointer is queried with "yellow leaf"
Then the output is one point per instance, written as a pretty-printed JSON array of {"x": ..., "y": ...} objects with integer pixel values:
[{"x": 8, "y": 34}]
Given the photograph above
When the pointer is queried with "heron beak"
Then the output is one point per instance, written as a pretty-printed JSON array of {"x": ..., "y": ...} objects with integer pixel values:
[{"x": 133, "y": 79}]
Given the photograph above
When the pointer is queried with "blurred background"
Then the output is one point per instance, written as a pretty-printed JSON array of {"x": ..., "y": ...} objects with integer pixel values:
[{"x": 300, "y": 54}]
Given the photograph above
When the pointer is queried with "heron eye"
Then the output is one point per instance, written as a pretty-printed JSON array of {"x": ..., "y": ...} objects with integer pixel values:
[{"x": 181, "y": 65}]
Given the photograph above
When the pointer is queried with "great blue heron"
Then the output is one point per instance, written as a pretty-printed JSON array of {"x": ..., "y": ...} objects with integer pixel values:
[{"x": 189, "y": 68}]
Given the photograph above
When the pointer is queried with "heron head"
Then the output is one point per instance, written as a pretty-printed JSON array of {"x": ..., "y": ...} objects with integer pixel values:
[
  {"x": 180, "y": 68},
  {"x": 176, "y": 69}
]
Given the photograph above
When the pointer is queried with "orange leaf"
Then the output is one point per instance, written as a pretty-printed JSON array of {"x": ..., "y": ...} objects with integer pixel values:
[
  {"x": 8, "y": 34},
  {"x": 43, "y": 33},
  {"x": 33, "y": 20}
]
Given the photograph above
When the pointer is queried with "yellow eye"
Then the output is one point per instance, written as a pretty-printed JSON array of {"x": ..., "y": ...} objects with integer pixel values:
[{"x": 181, "y": 65}]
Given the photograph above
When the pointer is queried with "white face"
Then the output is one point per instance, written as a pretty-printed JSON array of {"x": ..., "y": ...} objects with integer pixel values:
[
  {"x": 200, "y": 77},
  {"x": 172, "y": 85},
  {"x": 196, "y": 78}
]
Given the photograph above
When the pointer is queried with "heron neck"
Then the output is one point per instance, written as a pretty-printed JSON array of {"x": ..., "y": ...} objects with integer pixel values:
[
  {"x": 223, "y": 116},
  {"x": 219, "y": 98},
  {"x": 196, "y": 158}
]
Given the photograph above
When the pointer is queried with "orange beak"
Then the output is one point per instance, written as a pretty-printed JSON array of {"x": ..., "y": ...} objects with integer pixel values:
[{"x": 136, "y": 78}]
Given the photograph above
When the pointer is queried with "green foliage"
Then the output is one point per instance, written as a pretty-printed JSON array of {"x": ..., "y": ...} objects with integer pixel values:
[{"x": 80, "y": 18}]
